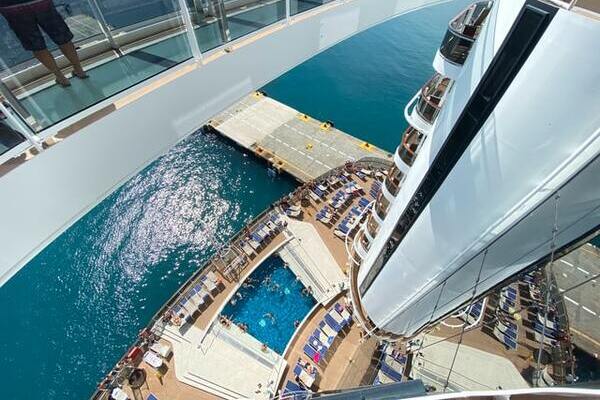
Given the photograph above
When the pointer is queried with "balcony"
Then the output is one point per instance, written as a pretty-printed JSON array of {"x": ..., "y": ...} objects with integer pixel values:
[
  {"x": 423, "y": 109},
  {"x": 411, "y": 141},
  {"x": 460, "y": 36},
  {"x": 372, "y": 228},
  {"x": 382, "y": 206},
  {"x": 119, "y": 45},
  {"x": 361, "y": 244},
  {"x": 462, "y": 32},
  {"x": 431, "y": 98},
  {"x": 393, "y": 180}
]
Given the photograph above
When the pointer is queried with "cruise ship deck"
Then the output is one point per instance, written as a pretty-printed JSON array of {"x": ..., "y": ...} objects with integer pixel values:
[{"x": 204, "y": 342}]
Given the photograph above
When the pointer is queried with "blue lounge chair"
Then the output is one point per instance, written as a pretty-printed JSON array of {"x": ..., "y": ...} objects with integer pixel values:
[
  {"x": 360, "y": 175},
  {"x": 511, "y": 333},
  {"x": 333, "y": 323},
  {"x": 151, "y": 397},
  {"x": 314, "y": 355},
  {"x": 323, "y": 337},
  {"x": 528, "y": 279},
  {"x": 510, "y": 342},
  {"x": 510, "y": 289},
  {"x": 343, "y": 228},
  {"x": 512, "y": 296},
  {"x": 297, "y": 393},
  {"x": 548, "y": 332},
  {"x": 328, "y": 331},
  {"x": 316, "y": 344},
  {"x": 363, "y": 202},
  {"x": 391, "y": 373},
  {"x": 343, "y": 312}
]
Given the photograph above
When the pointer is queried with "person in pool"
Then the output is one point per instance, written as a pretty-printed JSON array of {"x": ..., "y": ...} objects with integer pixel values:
[{"x": 269, "y": 316}]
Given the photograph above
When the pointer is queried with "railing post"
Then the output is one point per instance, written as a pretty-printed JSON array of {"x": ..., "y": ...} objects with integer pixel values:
[
  {"x": 97, "y": 11},
  {"x": 287, "y": 11},
  {"x": 16, "y": 104},
  {"x": 189, "y": 30},
  {"x": 222, "y": 20},
  {"x": 22, "y": 127}
]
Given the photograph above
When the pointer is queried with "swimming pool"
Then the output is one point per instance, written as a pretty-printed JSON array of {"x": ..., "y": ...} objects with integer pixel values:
[{"x": 270, "y": 304}]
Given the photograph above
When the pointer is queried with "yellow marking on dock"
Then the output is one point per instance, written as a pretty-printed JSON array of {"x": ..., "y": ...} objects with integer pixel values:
[
  {"x": 325, "y": 126},
  {"x": 275, "y": 132},
  {"x": 303, "y": 117},
  {"x": 366, "y": 146}
]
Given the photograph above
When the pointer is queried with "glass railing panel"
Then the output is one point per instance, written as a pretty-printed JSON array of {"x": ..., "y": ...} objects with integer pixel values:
[
  {"x": 210, "y": 27},
  {"x": 392, "y": 186},
  {"x": 381, "y": 206},
  {"x": 426, "y": 110},
  {"x": 455, "y": 48},
  {"x": 155, "y": 49},
  {"x": 244, "y": 17},
  {"x": 130, "y": 14},
  {"x": 406, "y": 155},
  {"x": 372, "y": 226},
  {"x": 298, "y": 6},
  {"x": 10, "y": 137}
]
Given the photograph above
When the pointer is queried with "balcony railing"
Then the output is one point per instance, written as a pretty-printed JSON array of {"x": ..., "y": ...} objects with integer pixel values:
[
  {"x": 462, "y": 32},
  {"x": 392, "y": 181},
  {"x": 411, "y": 140},
  {"x": 382, "y": 205},
  {"x": 431, "y": 97},
  {"x": 372, "y": 226},
  {"x": 121, "y": 44}
]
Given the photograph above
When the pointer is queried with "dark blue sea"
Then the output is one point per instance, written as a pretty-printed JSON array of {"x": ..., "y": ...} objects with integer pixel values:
[{"x": 70, "y": 313}]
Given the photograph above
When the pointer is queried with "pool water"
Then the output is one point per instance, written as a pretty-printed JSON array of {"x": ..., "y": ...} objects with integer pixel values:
[{"x": 271, "y": 304}]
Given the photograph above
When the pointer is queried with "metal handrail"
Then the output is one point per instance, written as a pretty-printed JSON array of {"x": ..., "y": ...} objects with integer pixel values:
[{"x": 113, "y": 40}]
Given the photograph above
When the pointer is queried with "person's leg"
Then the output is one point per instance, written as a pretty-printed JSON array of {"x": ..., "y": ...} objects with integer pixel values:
[
  {"x": 25, "y": 27},
  {"x": 68, "y": 49},
  {"x": 55, "y": 26},
  {"x": 47, "y": 60}
]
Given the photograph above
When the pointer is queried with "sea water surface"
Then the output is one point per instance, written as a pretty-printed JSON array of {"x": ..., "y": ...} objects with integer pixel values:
[
  {"x": 363, "y": 84},
  {"x": 71, "y": 312}
]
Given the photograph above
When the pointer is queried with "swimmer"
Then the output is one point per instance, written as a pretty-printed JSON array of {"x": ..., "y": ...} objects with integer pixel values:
[
  {"x": 269, "y": 316},
  {"x": 233, "y": 302},
  {"x": 296, "y": 323},
  {"x": 239, "y": 295}
]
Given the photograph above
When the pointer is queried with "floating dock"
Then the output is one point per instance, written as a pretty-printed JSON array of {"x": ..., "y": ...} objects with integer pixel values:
[{"x": 290, "y": 140}]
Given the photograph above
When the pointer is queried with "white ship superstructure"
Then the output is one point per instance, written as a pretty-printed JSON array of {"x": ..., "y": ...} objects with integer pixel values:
[{"x": 507, "y": 137}]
